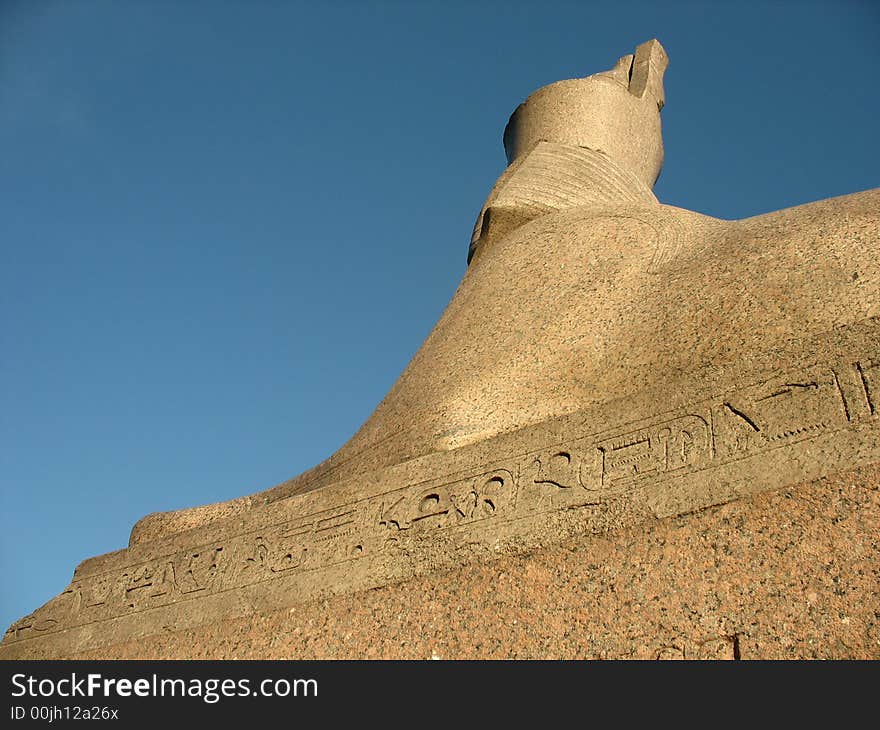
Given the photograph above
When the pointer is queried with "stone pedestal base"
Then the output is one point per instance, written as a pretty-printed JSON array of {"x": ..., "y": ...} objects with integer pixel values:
[
  {"x": 729, "y": 514},
  {"x": 788, "y": 574}
]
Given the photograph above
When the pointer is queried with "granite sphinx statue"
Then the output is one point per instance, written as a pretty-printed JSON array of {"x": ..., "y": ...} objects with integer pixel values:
[{"x": 602, "y": 349}]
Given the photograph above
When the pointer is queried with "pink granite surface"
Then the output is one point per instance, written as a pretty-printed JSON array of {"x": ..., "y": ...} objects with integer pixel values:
[{"x": 788, "y": 574}]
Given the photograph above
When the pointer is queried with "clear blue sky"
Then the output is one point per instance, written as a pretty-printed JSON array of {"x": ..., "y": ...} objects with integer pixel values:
[{"x": 227, "y": 226}]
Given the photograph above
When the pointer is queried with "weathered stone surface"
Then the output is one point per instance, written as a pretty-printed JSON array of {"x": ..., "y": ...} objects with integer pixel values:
[
  {"x": 785, "y": 574},
  {"x": 608, "y": 364}
]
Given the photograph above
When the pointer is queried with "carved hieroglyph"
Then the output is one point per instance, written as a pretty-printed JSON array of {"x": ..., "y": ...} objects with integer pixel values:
[{"x": 606, "y": 360}]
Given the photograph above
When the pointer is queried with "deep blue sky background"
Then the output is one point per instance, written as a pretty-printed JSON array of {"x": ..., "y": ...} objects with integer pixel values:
[{"x": 227, "y": 226}]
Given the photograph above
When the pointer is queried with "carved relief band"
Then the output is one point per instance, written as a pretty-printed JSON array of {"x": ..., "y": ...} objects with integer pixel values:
[{"x": 799, "y": 405}]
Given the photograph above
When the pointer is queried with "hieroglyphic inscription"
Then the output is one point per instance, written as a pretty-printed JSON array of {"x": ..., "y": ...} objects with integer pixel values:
[
  {"x": 780, "y": 411},
  {"x": 461, "y": 502},
  {"x": 662, "y": 448},
  {"x": 147, "y": 582},
  {"x": 559, "y": 477},
  {"x": 332, "y": 536},
  {"x": 55, "y": 615},
  {"x": 589, "y": 471}
]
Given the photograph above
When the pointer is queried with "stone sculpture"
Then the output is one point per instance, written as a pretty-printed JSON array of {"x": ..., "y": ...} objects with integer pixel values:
[{"x": 607, "y": 362}]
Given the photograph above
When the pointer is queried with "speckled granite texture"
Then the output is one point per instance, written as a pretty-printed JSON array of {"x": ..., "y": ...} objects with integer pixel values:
[
  {"x": 780, "y": 575},
  {"x": 585, "y": 456}
]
